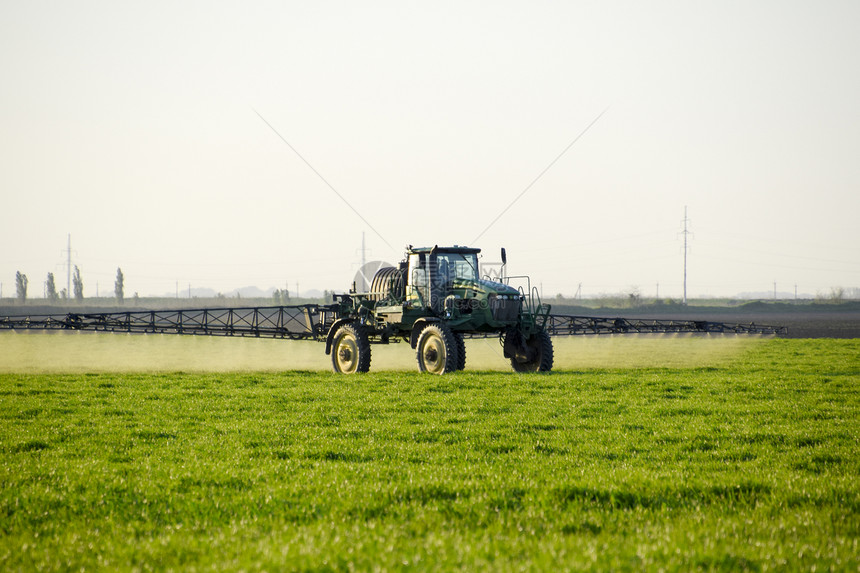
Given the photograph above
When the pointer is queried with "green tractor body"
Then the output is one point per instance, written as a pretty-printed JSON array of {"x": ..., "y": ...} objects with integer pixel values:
[{"x": 433, "y": 300}]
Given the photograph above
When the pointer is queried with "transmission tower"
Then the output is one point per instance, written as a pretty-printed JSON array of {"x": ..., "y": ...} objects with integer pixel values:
[
  {"x": 686, "y": 234},
  {"x": 363, "y": 251},
  {"x": 361, "y": 277},
  {"x": 69, "y": 268}
]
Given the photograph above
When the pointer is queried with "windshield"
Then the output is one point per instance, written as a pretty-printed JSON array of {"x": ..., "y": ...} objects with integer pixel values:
[{"x": 458, "y": 266}]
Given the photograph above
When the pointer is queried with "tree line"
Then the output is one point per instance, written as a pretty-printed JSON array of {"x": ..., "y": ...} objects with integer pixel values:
[{"x": 22, "y": 283}]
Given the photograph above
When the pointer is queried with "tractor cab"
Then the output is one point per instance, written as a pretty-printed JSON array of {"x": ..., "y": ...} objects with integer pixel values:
[{"x": 433, "y": 274}]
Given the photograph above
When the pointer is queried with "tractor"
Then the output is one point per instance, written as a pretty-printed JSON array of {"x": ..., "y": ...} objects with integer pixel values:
[{"x": 433, "y": 300}]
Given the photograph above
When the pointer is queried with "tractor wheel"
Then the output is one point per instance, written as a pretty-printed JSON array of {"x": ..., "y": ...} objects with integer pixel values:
[
  {"x": 540, "y": 346},
  {"x": 437, "y": 350},
  {"x": 461, "y": 350},
  {"x": 350, "y": 350}
]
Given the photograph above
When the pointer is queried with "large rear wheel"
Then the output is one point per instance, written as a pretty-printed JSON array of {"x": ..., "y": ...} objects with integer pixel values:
[
  {"x": 540, "y": 354},
  {"x": 437, "y": 349},
  {"x": 461, "y": 350},
  {"x": 350, "y": 350}
]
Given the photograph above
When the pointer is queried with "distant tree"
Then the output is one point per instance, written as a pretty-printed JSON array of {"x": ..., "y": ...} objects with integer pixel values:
[
  {"x": 51, "y": 288},
  {"x": 21, "y": 286},
  {"x": 280, "y": 296},
  {"x": 78, "y": 284},
  {"x": 118, "y": 285},
  {"x": 634, "y": 297},
  {"x": 837, "y": 294},
  {"x": 64, "y": 294}
]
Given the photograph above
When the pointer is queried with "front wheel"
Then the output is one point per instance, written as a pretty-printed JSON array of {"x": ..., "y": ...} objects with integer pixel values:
[
  {"x": 350, "y": 350},
  {"x": 437, "y": 350},
  {"x": 539, "y": 354}
]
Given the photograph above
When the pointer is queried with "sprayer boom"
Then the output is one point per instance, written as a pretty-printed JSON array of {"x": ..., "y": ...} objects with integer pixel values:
[{"x": 312, "y": 321}]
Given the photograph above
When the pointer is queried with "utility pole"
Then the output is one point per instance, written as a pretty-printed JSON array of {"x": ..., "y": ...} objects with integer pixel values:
[
  {"x": 69, "y": 268},
  {"x": 365, "y": 281},
  {"x": 686, "y": 233}
]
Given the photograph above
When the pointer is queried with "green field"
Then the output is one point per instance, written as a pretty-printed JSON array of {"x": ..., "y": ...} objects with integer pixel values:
[{"x": 676, "y": 454}]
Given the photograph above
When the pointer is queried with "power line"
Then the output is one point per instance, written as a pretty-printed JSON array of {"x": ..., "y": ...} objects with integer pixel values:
[
  {"x": 323, "y": 179},
  {"x": 535, "y": 180}
]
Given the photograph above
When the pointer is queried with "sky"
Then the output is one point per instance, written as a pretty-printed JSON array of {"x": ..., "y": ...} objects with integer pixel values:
[{"x": 225, "y": 144}]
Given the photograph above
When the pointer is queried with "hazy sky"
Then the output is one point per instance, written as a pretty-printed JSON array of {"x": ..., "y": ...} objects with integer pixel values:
[{"x": 134, "y": 127}]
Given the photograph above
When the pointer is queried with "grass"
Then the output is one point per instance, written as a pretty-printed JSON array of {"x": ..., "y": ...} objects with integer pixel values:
[{"x": 746, "y": 460}]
